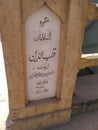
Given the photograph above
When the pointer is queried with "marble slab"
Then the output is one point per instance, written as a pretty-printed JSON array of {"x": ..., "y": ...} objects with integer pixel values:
[{"x": 42, "y": 32}]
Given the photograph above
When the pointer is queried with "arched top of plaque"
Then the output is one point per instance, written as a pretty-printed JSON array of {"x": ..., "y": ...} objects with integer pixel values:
[
  {"x": 42, "y": 30},
  {"x": 58, "y": 7},
  {"x": 42, "y": 12}
]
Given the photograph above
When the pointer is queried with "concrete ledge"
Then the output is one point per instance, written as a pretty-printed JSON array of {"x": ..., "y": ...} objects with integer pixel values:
[{"x": 40, "y": 122}]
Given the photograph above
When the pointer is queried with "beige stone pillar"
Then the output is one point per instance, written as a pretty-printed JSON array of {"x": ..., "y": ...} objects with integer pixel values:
[{"x": 15, "y": 17}]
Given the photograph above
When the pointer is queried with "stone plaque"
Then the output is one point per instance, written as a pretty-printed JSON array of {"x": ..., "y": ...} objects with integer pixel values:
[{"x": 42, "y": 53}]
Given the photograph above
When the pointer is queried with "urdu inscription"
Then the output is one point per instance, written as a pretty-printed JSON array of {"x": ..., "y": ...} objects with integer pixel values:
[{"x": 42, "y": 52}]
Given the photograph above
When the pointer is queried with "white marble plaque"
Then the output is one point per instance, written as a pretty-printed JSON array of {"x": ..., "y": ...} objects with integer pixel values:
[{"x": 42, "y": 52}]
